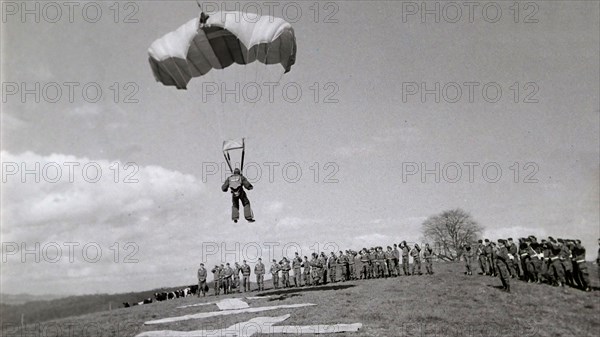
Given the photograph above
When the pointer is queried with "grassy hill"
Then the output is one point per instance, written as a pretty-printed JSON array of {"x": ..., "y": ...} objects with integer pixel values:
[{"x": 448, "y": 303}]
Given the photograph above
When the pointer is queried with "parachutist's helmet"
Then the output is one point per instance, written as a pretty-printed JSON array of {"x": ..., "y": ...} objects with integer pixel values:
[{"x": 236, "y": 171}]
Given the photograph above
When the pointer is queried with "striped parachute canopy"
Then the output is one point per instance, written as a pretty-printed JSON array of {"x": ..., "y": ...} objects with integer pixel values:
[{"x": 224, "y": 38}]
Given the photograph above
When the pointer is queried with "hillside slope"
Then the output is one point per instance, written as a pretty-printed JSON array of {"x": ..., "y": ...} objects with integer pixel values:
[{"x": 448, "y": 303}]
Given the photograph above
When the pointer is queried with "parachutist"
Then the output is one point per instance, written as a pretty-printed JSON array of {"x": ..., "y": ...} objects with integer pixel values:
[{"x": 237, "y": 182}]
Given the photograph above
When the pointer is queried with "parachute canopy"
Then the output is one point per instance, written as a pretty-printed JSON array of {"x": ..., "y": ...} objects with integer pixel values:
[
  {"x": 231, "y": 145},
  {"x": 227, "y": 37}
]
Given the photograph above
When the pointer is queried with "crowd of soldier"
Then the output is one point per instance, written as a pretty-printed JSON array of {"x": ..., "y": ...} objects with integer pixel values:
[
  {"x": 320, "y": 268},
  {"x": 554, "y": 261}
]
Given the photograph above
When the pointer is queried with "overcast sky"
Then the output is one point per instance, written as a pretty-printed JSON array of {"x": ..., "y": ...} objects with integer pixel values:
[{"x": 360, "y": 141}]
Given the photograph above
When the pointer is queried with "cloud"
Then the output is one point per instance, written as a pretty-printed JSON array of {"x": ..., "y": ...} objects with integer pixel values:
[
  {"x": 146, "y": 214},
  {"x": 273, "y": 208}
]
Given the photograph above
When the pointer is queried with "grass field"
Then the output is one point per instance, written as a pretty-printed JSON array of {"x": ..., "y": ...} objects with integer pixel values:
[{"x": 447, "y": 303}]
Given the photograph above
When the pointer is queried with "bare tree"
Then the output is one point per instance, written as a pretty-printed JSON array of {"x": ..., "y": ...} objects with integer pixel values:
[{"x": 450, "y": 230}]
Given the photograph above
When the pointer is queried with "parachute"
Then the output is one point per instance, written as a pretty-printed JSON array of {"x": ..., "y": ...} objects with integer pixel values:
[
  {"x": 219, "y": 40},
  {"x": 232, "y": 145}
]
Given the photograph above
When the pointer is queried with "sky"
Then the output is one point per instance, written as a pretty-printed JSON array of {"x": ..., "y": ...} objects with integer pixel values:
[{"x": 387, "y": 117}]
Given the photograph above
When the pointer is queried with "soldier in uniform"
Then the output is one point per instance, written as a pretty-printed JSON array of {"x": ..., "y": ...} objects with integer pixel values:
[
  {"x": 352, "y": 264},
  {"x": 513, "y": 262},
  {"x": 481, "y": 257},
  {"x": 222, "y": 277},
  {"x": 285, "y": 272},
  {"x": 275, "y": 273},
  {"x": 202, "y": 280},
  {"x": 565, "y": 260},
  {"x": 342, "y": 263},
  {"x": 580, "y": 267},
  {"x": 316, "y": 266},
  {"x": 405, "y": 251},
  {"x": 489, "y": 257},
  {"x": 246, "y": 276},
  {"x": 415, "y": 253},
  {"x": 396, "y": 260},
  {"x": 306, "y": 271},
  {"x": 389, "y": 261},
  {"x": 323, "y": 262},
  {"x": 332, "y": 266},
  {"x": 297, "y": 264},
  {"x": 346, "y": 265},
  {"x": 259, "y": 271},
  {"x": 227, "y": 278},
  {"x": 364, "y": 264},
  {"x": 501, "y": 259},
  {"x": 216, "y": 281},
  {"x": 524, "y": 258},
  {"x": 428, "y": 257},
  {"x": 537, "y": 260},
  {"x": 237, "y": 269},
  {"x": 468, "y": 253},
  {"x": 237, "y": 182},
  {"x": 372, "y": 262},
  {"x": 556, "y": 270}
]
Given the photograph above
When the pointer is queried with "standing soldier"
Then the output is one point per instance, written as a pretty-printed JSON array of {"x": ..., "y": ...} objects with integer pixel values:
[
  {"x": 581, "y": 268},
  {"x": 236, "y": 277},
  {"x": 222, "y": 277},
  {"x": 227, "y": 278},
  {"x": 556, "y": 270},
  {"x": 259, "y": 271},
  {"x": 481, "y": 257},
  {"x": 331, "y": 265},
  {"x": 428, "y": 256},
  {"x": 372, "y": 263},
  {"x": 565, "y": 261},
  {"x": 389, "y": 261},
  {"x": 316, "y": 266},
  {"x": 364, "y": 263},
  {"x": 202, "y": 280},
  {"x": 275, "y": 274},
  {"x": 469, "y": 255},
  {"x": 216, "y": 281},
  {"x": 524, "y": 257},
  {"x": 536, "y": 256},
  {"x": 323, "y": 262},
  {"x": 306, "y": 271},
  {"x": 352, "y": 264},
  {"x": 396, "y": 254},
  {"x": 380, "y": 271},
  {"x": 489, "y": 258},
  {"x": 513, "y": 262},
  {"x": 405, "y": 251},
  {"x": 346, "y": 265},
  {"x": 296, "y": 264},
  {"x": 416, "y": 255},
  {"x": 246, "y": 276},
  {"x": 285, "y": 272},
  {"x": 502, "y": 264}
]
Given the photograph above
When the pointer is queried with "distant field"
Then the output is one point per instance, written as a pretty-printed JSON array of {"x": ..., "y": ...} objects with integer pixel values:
[{"x": 448, "y": 303}]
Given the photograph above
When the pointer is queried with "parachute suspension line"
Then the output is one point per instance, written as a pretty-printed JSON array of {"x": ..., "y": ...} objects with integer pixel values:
[
  {"x": 228, "y": 160},
  {"x": 243, "y": 154}
]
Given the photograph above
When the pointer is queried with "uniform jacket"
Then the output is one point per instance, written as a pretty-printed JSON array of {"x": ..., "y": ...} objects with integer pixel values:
[{"x": 259, "y": 269}]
